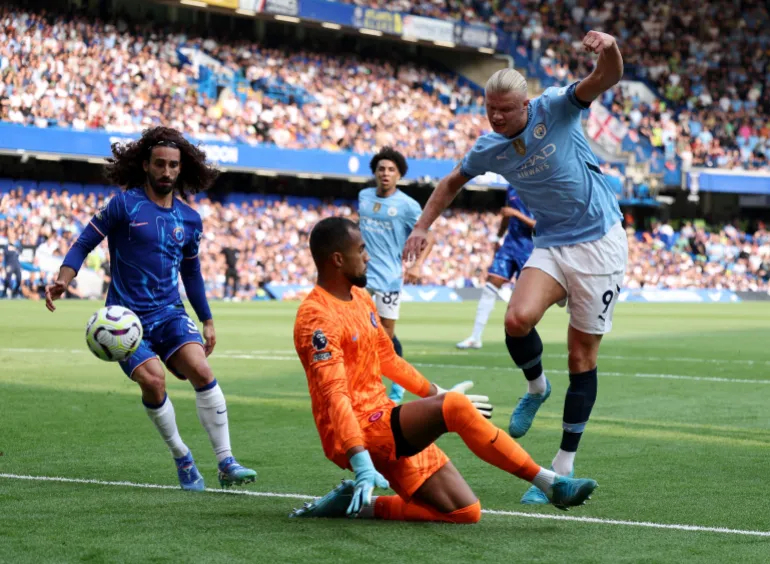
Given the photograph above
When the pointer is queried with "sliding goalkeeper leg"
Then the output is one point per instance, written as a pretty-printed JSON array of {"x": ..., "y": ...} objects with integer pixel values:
[{"x": 429, "y": 487}]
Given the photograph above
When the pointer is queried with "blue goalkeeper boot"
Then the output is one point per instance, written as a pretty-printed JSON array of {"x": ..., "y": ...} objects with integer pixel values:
[
  {"x": 565, "y": 492},
  {"x": 524, "y": 414},
  {"x": 233, "y": 474},
  {"x": 189, "y": 477},
  {"x": 333, "y": 504},
  {"x": 570, "y": 492}
]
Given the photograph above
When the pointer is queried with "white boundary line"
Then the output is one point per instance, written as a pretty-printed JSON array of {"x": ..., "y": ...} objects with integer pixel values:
[
  {"x": 272, "y": 356},
  {"x": 594, "y": 520}
]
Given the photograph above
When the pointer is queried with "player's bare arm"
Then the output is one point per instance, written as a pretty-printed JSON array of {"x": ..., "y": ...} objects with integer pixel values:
[
  {"x": 412, "y": 274},
  {"x": 608, "y": 70},
  {"x": 446, "y": 191},
  {"x": 56, "y": 290},
  {"x": 513, "y": 212}
]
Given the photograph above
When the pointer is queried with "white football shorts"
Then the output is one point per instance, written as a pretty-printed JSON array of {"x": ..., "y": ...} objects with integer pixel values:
[
  {"x": 388, "y": 303},
  {"x": 592, "y": 274}
]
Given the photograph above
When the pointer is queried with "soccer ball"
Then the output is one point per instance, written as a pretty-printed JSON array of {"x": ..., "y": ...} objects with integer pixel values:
[{"x": 113, "y": 333}]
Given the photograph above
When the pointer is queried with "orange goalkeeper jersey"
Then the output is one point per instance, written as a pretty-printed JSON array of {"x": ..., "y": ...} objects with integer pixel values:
[{"x": 345, "y": 351}]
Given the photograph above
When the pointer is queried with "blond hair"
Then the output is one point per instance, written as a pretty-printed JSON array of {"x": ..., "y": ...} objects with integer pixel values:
[{"x": 506, "y": 80}]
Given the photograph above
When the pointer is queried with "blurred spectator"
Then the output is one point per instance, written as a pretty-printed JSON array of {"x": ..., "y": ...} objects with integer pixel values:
[{"x": 269, "y": 243}]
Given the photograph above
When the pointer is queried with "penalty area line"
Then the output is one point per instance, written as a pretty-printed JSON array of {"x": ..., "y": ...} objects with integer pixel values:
[{"x": 521, "y": 514}]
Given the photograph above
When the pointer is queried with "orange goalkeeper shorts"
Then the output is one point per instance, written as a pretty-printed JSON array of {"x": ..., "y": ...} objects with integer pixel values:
[{"x": 406, "y": 474}]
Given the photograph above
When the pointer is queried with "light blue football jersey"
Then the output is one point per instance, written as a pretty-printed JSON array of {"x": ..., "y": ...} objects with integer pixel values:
[
  {"x": 553, "y": 169},
  {"x": 385, "y": 226}
]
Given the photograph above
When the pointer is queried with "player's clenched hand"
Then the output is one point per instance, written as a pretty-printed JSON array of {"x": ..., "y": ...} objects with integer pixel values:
[
  {"x": 367, "y": 478},
  {"x": 479, "y": 402},
  {"x": 415, "y": 245},
  {"x": 596, "y": 41},
  {"x": 54, "y": 292},
  {"x": 209, "y": 336}
]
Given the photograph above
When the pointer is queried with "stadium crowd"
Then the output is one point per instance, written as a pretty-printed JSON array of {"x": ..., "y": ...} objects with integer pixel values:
[
  {"x": 85, "y": 74},
  {"x": 266, "y": 241},
  {"x": 714, "y": 108}
]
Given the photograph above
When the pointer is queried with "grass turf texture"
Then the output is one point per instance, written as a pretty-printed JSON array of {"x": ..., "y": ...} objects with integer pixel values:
[{"x": 667, "y": 443}]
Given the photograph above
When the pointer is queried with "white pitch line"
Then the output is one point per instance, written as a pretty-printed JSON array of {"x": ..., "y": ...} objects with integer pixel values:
[
  {"x": 293, "y": 358},
  {"x": 441, "y": 352},
  {"x": 593, "y": 520},
  {"x": 147, "y": 486}
]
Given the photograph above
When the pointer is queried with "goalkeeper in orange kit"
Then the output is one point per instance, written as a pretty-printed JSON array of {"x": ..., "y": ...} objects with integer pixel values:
[{"x": 344, "y": 351}]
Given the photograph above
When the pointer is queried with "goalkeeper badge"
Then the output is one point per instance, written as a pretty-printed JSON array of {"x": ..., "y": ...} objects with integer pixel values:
[{"x": 319, "y": 340}]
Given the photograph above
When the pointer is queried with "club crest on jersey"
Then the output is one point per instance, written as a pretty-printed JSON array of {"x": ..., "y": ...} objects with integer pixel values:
[
  {"x": 520, "y": 146},
  {"x": 374, "y": 319},
  {"x": 178, "y": 234},
  {"x": 392, "y": 212},
  {"x": 376, "y": 207},
  {"x": 539, "y": 131},
  {"x": 319, "y": 340}
]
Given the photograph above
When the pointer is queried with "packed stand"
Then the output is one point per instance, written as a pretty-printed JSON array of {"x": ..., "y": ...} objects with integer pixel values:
[
  {"x": 715, "y": 101},
  {"x": 86, "y": 74},
  {"x": 469, "y": 11},
  {"x": 264, "y": 241}
]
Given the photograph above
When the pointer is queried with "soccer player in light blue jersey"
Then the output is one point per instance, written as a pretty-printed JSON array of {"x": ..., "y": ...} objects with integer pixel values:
[
  {"x": 580, "y": 246},
  {"x": 153, "y": 238},
  {"x": 387, "y": 216},
  {"x": 516, "y": 229}
]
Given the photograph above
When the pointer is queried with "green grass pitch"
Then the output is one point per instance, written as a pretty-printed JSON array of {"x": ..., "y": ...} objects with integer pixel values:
[{"x": 680, "y": 435}]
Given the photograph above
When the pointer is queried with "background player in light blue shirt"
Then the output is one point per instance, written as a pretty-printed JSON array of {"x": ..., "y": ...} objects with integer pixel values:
[
  {"x": 516, "y": 230},
  {"x": 580, "y": 246},
  {"x": 386, "y": 217},
  {"x": 153, "y": 238}
]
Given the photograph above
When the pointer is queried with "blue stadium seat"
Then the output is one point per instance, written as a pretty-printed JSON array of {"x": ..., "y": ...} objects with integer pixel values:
[
  {"x": 72, "y": 187},
  {"x": 92, "y": 188},
  {"x": 6, "y": 184},
  {"x": 25, "y": 185},
  {"x": 51, "y": 187}
]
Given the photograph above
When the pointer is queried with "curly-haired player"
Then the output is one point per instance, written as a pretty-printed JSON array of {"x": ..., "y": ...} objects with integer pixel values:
[{"x": 153, "y": 237}]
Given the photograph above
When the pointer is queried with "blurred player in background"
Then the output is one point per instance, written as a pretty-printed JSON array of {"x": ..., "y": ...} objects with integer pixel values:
[
  {"x": 345, "y": 350},
  {"x": 387, "y": 217},
  {"x": 581, "y": 247},
  {"x": 516, "y": 229},
  {"x": 153, "y": 238}
]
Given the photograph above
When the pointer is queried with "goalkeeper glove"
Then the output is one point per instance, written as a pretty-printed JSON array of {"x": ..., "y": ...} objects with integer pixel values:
[
  {"x": 367, "y": 478},
  {"x": 479, "y": 402}
]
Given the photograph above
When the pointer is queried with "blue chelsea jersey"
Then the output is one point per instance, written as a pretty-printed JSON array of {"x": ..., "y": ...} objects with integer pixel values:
[
  {"x": 553, "y": 169},
  {"x": 516, "y": 229},
  {"x": 147, "y": 245},
  {"x": 385, "y": 226}
]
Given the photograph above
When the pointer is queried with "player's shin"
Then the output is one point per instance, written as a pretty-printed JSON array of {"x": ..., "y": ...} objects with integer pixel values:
[
  {"x": 164, "y": 419},
  {"x": 526, "y": 352},
  {"x": 397, "y": 391},
  {"x": 397, "y": 346},
  {"x": 212, "y": 412},
  {"x": 580, "y": 399},
  {"x": 485, "y": 440},
  {"x": 394, "y": 508},
  {"x": 486, "y": 305}
]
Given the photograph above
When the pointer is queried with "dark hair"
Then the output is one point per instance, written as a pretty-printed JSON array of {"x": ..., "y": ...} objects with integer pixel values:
[
  {"x": 389, "y": 154},
  {"x": 126, "y": 167},
  {"x": 330, "y": 235}
]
